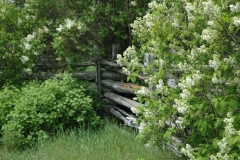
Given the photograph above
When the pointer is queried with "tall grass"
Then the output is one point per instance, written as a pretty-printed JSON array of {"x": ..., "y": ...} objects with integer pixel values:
[{"x": 110, "y": 143}]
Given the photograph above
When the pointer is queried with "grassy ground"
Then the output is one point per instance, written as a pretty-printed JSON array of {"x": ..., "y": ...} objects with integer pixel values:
[{"x": 110, "y": 143}]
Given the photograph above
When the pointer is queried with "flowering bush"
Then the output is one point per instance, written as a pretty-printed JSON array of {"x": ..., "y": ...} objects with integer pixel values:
[
  {"x": 194, "y": 79},
  {"x": 34, "y": 31}
]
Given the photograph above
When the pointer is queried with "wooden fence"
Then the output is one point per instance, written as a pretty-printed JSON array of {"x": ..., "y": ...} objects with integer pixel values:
[
  {"x": 113, "y": 90},
  {"x": 110, "y": 82}
]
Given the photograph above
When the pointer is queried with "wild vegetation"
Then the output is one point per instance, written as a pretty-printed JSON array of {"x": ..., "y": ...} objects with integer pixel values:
[
  {"x": 110, "y": 142},
  {"x": 193, "y": 75}
]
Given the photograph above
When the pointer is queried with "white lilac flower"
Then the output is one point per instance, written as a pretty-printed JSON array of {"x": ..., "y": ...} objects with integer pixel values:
[
  {"x": 185, "y": 94},
  {"x": 19, "y": 20},
  {"x": 210, "y": 8},
  {"x": 236, "y": 21},
  {"x": 126, "y": 71},
  {"x": 209, "y": 34},
  {"x": 79, "y": 26},
  {"x": 60, "y": 28},
  {"x": 36, "y": 53},
  {"x": 230, "y": 60},
  {"x": 69, "y": 23},
  {"x": 33, "y": 17},
  {"x": 215, "y": 79},
  {"x": 175, "y": 23},
  {"x": 27, "y": 46},
  {"x": 188, "y": 151},
  {"x": 223, "y": 146},
  {"x": 211, "y": 23},
  {"x": 235, "y": 8},
  {"x": 45, "y": 29},
  {"x": 135, "y": 110},
  {"x": 215, "y": 63},
  {"x": 133, "y": 3},
  {"x": 189, "y": 81},
  {"x": 30, "y": 37},
  {"x": 24, "y": 59},
  {"x": 181, "y": 106},
  {"x": 160, "y": 85},
  {"x": 27, "y": 17},
  {"x": 142, "y": 127},
  {"x": 153, "y": 5},
  {"x": 141, "y": 91},
  {"x": 212, "y": 157}
]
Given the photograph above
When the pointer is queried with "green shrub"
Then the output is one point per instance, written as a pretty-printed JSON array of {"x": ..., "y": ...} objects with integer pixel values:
[{"x": 38, "y": 109}]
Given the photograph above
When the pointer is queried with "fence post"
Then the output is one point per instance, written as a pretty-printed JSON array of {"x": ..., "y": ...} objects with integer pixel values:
[
  {"x": 115, "y": 50},
  {"x": 98, "y": 73}
]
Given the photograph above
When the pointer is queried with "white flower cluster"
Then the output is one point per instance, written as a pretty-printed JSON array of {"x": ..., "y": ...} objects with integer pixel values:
[
  {"x": 175, "y": 23},
  {"x": 223, "y": 146},
  {"x": 209, "y": 34},
  {"x": 229, "y": 128},
  {"x": 119, "y": 59},
  {"x": 69, "y": 23},
  {"x": 215, "y": 63},
  {"x": 217, "y": 80},
  {"x": 135, "y": 110},
  {"x": 190, "y": 8},
  {"x": 235, "y": 8},
  {"x": 141, "y": 127},
  {"x": 133, "y": 3},
  {"x": 130, "y": 53},
  {"x": 210, "y": 8},
  {"x": 187, "y": 83},
  {"x": 230, "y": 60},
  {"x": 188, "y": 151},
  {"x": 142, "y": 92},
  {"x": 30, "y": 37},
  {"x": 181, "y": 106},
  {"x": 236, "y": 21},
  {"x": 160, "y": 85},
  {"x": 134, "y": 62},
  {"x": 153, "y": 5},
  {"x": 126, "y": 71},
  {"x": 24, "y": 59}
]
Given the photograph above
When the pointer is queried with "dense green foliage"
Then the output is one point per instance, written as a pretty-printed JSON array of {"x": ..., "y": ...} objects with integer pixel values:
[
  {"x": 49, "y": 32},
  {"x": 194, "y": 80},
  {"x": 37, "y": 110}
]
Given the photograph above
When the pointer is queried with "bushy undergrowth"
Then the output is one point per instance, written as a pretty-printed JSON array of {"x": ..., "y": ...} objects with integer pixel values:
[{"x": 37, "y": 110}]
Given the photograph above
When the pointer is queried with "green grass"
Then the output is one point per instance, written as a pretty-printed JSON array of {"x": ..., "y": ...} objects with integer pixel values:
[{"x": 110, "y": 143}]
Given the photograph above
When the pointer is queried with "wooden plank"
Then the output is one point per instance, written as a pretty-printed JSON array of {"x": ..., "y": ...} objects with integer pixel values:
[
  {"x": 121, "y": 100},
  {"x": 123, "y": 87},
  {"x": 129, "y": 121},
  {"x": 110, "y": 63},
  {"x": 78, "y": 75},
  {"x": 74, "y": 65},
  {"x": 123, "y": 112}
]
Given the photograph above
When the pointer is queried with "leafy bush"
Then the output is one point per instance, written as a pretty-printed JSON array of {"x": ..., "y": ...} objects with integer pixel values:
[
  {"x": 37, "y": 110},
  {"x": 196, "y": 45},
  {"x": 45, "y": 31}
]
